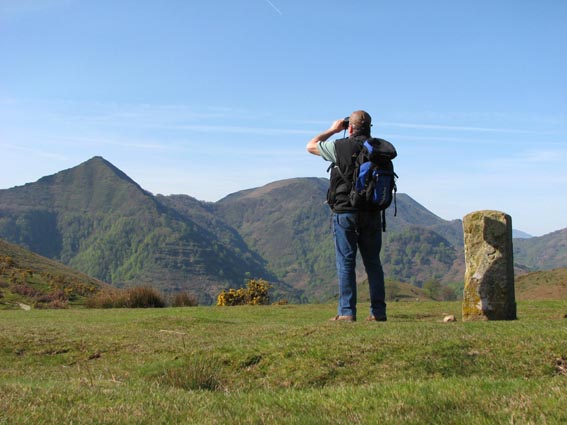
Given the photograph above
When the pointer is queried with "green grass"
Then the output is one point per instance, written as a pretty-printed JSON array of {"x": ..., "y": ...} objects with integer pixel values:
[{"x": 282, "y": 364}]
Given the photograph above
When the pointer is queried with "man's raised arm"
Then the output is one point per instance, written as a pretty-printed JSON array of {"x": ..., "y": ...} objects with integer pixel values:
[{"x": 312, "y": 145}]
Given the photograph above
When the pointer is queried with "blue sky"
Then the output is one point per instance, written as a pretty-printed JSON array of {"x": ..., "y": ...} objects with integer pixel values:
[{"x": 208, "y": 98}]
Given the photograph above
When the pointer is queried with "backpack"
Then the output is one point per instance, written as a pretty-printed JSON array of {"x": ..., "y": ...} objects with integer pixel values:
[{"x": 374, "y": 180}]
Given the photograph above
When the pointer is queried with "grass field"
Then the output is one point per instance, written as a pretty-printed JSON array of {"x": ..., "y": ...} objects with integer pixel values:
[{"x": 283, "y": 364}]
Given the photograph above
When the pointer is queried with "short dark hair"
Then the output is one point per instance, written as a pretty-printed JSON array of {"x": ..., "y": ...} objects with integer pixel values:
[{"x": 361, "y": 121}]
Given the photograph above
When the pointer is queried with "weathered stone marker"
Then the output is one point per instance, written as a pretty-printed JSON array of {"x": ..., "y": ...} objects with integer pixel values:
[{"x": 489, "y": 258}]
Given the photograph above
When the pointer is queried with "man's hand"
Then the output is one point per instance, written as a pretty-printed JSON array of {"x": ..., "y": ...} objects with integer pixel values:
[{"x": 335, "y": 128}]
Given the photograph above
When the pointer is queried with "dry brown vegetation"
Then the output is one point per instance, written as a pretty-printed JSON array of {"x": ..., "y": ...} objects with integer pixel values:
[{"x": 542, "y": 285}]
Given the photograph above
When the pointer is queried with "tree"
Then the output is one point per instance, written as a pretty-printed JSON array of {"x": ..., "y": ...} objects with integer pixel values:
[{"x": 432, "y": 289}]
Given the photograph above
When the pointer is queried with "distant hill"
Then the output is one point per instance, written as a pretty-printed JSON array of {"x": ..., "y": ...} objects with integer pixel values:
[
  {"x": 288, "y": 224},
  {"x": 542, "y": 285},
  {"x": 96, "y": 219},
  {"x": 544, "y": 252},
  {"x": 29, "y": 278},
  {"x": 395, "y": 291},
  {"x": 518, "y": 234}
]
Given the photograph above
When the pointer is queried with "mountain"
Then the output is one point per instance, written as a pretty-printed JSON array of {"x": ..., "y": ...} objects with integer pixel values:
[
  {"x": 94, "y": 218},
  {"x": 30, "y": 278},
  {"x": 543, "y": 252},
  {"x": 205, "y": 215},
  {"x": 288, "y": 224}
]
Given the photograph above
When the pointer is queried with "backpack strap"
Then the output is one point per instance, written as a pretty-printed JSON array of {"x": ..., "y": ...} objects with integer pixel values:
[
  {"x": 336, "y": 167},
  {"x": 395, "y": 207},
  {"x": 353, "y": 158}
]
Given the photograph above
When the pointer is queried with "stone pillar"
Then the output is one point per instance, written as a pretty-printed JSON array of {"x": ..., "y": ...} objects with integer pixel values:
[{"x": 489, "y": 258}]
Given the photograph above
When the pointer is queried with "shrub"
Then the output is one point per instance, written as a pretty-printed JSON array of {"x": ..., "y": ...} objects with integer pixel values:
[
  {"x": 53, "y": 296},
  {"x": 255, "y": 293},
  {"x": 232, "y": 297},
  {"x": 108, "y": 298},
  {"x": 145, "y": 297},
  {"x": 138, "y": 297},
  {"x": 25, "y": 290},
  {"x": 55, "y": 304},
  {"x": 184, "y": 299}
]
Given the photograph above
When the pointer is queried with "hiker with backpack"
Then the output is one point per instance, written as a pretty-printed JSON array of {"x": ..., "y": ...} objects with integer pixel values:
[{"x": 362, "y": 186}]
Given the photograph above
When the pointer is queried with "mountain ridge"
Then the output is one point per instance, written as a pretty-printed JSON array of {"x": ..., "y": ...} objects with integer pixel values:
[{"x": 95, "y": 218}]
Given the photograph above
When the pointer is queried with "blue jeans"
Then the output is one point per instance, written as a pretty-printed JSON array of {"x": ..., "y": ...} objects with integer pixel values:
[{"x": 359, "y": 230}]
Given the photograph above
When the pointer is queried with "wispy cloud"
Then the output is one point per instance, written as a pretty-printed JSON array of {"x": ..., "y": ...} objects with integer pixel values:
[
  {"x": 547, "y": 161},
  {"x": 240, "y": 129},
  {"x": 113, "y": 141},
  {"x": 274, "y": 7},
  {"x": 454, "y": 128},
  {"x": 462, "y": 128},
  {"x": 34, "y": 151}
]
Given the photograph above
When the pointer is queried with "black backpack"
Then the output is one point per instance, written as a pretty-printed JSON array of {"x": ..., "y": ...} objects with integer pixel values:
[{"x": 374, "y": 179}]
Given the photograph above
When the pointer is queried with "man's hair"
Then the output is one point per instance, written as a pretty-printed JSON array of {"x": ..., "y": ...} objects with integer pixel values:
[{"x": 361, "y": 121}]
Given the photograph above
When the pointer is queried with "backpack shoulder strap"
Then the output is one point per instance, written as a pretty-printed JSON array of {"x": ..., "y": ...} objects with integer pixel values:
[{"x": 347, "y": 151}]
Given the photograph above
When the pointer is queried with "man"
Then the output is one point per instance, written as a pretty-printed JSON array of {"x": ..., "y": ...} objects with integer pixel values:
[{"x": 352, "y": 228}]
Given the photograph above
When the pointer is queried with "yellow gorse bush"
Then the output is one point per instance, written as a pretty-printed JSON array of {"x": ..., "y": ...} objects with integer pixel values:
[{"x": 255, "y": 293}]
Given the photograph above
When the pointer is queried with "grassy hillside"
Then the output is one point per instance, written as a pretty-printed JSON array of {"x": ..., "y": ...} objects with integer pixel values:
[
  {"x": 542, "y": 285},
  {"x": 282, "y": 364},
  {"x": 395, "y": 291},
  {"x": 31, "y": 279}
]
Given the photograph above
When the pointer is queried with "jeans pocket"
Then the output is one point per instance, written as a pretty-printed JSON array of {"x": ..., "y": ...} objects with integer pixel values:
[{"x": 345, "y": 221}]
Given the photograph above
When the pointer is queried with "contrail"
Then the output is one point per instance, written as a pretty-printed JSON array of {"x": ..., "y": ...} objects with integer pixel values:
[{"x": 274, "y": 6}]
